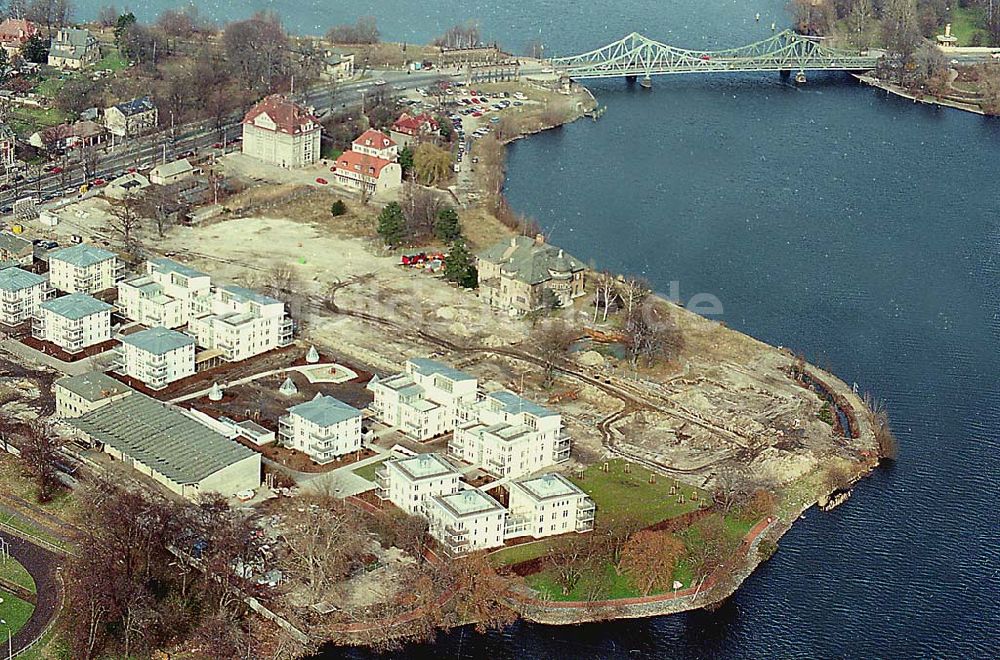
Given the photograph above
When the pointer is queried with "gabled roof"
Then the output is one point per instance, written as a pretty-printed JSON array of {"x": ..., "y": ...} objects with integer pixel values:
[
  {"x": 136, "y": 106},
  {"x": 359, "y": 163},
  {"x": 15, "y": 279},
  {"x": 81, "y": 255},
  {"x": 158, "y": 340},
  {"x": 288, "y": 116},
  {"x": 532, "y": 261},
  {"x": 17, "y": 29},
  {"x": 172, "y": 168},
  {"x": 414, "y": 125},
  {"x": 72, "y": 43},
  {"x": 76, "y": 306},
  {"x": 325, "y": 411},
  {"x": 161, "y": 437},
  {"x": 374, "y": 139},
  {"x": 14, "y": 245},
  {"x": 93, "y": 386}
]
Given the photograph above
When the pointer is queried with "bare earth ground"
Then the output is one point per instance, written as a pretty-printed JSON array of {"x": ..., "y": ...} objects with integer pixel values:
[{"x": 728, "y": 397}]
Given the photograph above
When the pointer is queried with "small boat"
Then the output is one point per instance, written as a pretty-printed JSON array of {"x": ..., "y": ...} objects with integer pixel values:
[{"x": 646, "y": 83}]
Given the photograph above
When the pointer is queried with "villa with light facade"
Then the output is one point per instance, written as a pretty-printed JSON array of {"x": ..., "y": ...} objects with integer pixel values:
[
  {"x": 410, "y": 482},
  {"x": 547, "y": 506},
  {"x": 370, "y": 165},
  {"x": 84, "y": 268},
  {"x": 156, "y": 357},
  {"x": 281, "y": 132},
  {"x": 324, "y": 428},
  {"x": 425, "y": 400},
  {"x": 241, "y": 323},
  {"x": 510, "y": 436},
  {"x": 73, "y": 322},
  {"x": 466, "y": 521}
]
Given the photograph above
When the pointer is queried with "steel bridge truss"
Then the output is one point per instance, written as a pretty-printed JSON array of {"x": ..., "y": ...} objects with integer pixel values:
[{"x": 636, "y": 55}]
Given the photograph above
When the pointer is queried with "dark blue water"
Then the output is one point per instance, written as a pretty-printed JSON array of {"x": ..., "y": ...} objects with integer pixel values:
[{"x": 859, "y": 229}]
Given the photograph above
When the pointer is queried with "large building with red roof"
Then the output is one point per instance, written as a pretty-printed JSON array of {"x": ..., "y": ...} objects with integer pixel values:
[
  {"x": 370, "y": 164},
  {"x": 14, "y": 33},
  {"x": 281, "y": 132},
  {"x": 409, "y": 130}
]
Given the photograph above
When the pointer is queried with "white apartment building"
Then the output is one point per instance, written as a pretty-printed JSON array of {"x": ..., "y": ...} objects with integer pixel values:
[
  {"x": 281, "y": 132},
  {"x": 509, "y": 436},
  {"x": 324, "y": 428},
  {"x": 242, "y": 323},
  {"x": 546, "y": 506},
  {"x": 21, "y": 293},
  {"x": 84, "y": 269},
  {"x": 168, "y": 295},
  {"x": 466, "y": 521},
  {"x": 73, "y": 322},
  {"x": 157, "y": 356},
  {"x": 410, "y": 482},
  {"x": 425, "y": 400}
]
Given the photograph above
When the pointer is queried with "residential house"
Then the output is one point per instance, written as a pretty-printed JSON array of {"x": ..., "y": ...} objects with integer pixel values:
[
  {"x": 411, "y": 130},
  {"x": 172, "y": 448},
  {"x": 172, "y": 172},
  {"x": 510, "y": 436},
  {"x": 241, "y": 323},
  {"x": 281, "y": 132},
  {"x": 131, "y": 118},
  {"x": 466, "y": 521},
  {"x": 14, "y": 33},
  {"x": 338, "y": 65},
  {"x": 323, "y": 428},
  {"x": 21, "y": 293},
  {"x": 410, "y": 482},
  {"x": 522, "y": 275},
  {"x": 73, "y": 322},
  {"x": 370, "y": 165},
  {"x": 546, "y": 506},
  {"x": 126, "y": 185},
  {"x": 8, "y": 148},
  {"x": 73, "y": 48},
  {"x": 169, "y": 294},
  {"x": 68, "y": 136},
  {"x": 16, "y": 250},
  {"x": 83, "y": 268},
  {"x": 424, "y": 401},
  {"x": 157, "y": 356},
  {"x": 79, "y": 395}
]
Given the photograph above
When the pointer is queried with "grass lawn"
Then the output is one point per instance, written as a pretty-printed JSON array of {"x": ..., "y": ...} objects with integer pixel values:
[
  {"x": 50, "y": 86},
  {"x": 64, "y": 505},
  {"x": 14, "y": 611},
  {"x": 605, "y": 583},
  {"x": 113, "y": 60},
  {"x": 967, "y": 21},
  {"x": 26, "y": 121},
  {"x": 630, "y": 495},
  {"x": 520, "y": 553},
  {"x": 13, "y": 571},
  {"x": 368, "y": 471}
]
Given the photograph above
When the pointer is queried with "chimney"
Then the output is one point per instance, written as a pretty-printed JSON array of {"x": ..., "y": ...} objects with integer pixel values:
[{"x": 539, "y": 239}]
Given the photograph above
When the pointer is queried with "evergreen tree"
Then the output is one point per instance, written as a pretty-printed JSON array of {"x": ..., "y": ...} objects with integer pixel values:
[
  {"x": 405, "y": 158},
  {"x": 447, "y": 227},
  {"x": 122, "y": 26},
  {"x": 458, "y": 266},
  {"x": 338, "y": 208},
  {"x": 392, "y": 224},
  {"x": 35, "y": 49}
]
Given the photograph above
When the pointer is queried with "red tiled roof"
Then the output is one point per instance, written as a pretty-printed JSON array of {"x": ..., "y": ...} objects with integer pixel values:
[
  {"x": 413, "y": 125},
  {"x": 20, "y": 30},
  {"x": 290, "y": 117},
  {"x": 374, "y": 139},
  {"x": 359, "y": 163}
]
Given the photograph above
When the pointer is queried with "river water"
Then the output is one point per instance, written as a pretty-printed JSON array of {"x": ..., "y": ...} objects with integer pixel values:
[{"x": 859, "y": 229}]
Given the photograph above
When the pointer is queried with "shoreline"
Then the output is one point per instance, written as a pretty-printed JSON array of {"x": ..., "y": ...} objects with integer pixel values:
[{"x": 896, "y": 90}]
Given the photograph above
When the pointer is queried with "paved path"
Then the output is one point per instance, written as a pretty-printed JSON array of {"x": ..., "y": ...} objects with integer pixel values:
[
  {"x": 342, "y": 482},
  {"x": 29, "y": 354},
  {"x": 264, "y": 374},
  {"x": 42, "y": 565}
]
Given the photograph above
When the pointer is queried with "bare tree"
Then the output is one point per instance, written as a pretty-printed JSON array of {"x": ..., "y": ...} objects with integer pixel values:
[
  {"x": 126, "y": 218},
  {"x": 606, "y": 294},
  {"x": 421, "y": 207},
  {"x": 649, "y": 558},
  {"x": 633, "y": 292},
  {"x": 569, "y": 560},
  {"x": 465, "y": 35},
  {"x": 258, "y": 50},
  {"x": 651, "y": 335},
  {"x": 364, "y": 31},
  {"x": 733, "y": 487},
  {"x": 325, "y": 544},
  {"x": 552, "y": 341},
  {"x": 40, "y": 453}
]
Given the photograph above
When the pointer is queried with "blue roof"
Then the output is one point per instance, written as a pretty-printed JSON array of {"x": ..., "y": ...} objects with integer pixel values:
[
  {"x": 170, "y": 266},
  {"x": 158, "y": 340},
  {"x": 428, "y": 367},
  {"x": 136, "y": 106},
  {"x": 325, "y": 411},
  {"x": 76, "y": 306},
  {"x": 15, "y": 279},
  {"x": 250, "y": 294},
  {"x": 513, "y": 404},
  {"x": 81, "y": 255}
]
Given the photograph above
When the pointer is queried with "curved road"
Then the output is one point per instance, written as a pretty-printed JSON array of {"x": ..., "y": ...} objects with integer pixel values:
[{"x": 42, "y": 565}]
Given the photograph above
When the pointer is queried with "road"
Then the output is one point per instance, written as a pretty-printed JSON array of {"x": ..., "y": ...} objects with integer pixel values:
[{"x": 170, "y": 144}]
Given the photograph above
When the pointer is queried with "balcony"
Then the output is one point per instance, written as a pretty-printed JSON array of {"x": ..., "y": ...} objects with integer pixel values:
[
  {"x": 585, "y": 515},
  {"x": 285, "y": 431},
  {"x": 382, "y": 483},
  {"x": 118, "y": 270},
  {"x": 84, "y": 283},
  {"x": 117, "y": 360},
  {"x": 516, "y": 526},
  {"x": 285, "y": 331},
  {"x": 38, "y": 327},
  {"x": 454, "y": 540}
]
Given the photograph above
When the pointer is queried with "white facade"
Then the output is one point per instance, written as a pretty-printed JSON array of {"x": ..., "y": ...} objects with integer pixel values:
[
  {"x": 157, "y": 357},
  {"x": 466, "y": 521},
  {"x": 78, "y": 395},
  {"x": 132, "y": 118},
  {"x": 546, "y": 506},
  {"x": 424, "y": 401},
  {"x": 168, "y": 295},
  {"x": 410, "y": 482},
  {"x": 281, "y": 132},
  {"x": 73, "y": 322},
  {"x": 242, "y": 323},
  {"x": 83, "y": 269},
  {"x": 21, "y": 293},
  {"x": 323, "y": 428},
  {"x": 510, "y": 436}
]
